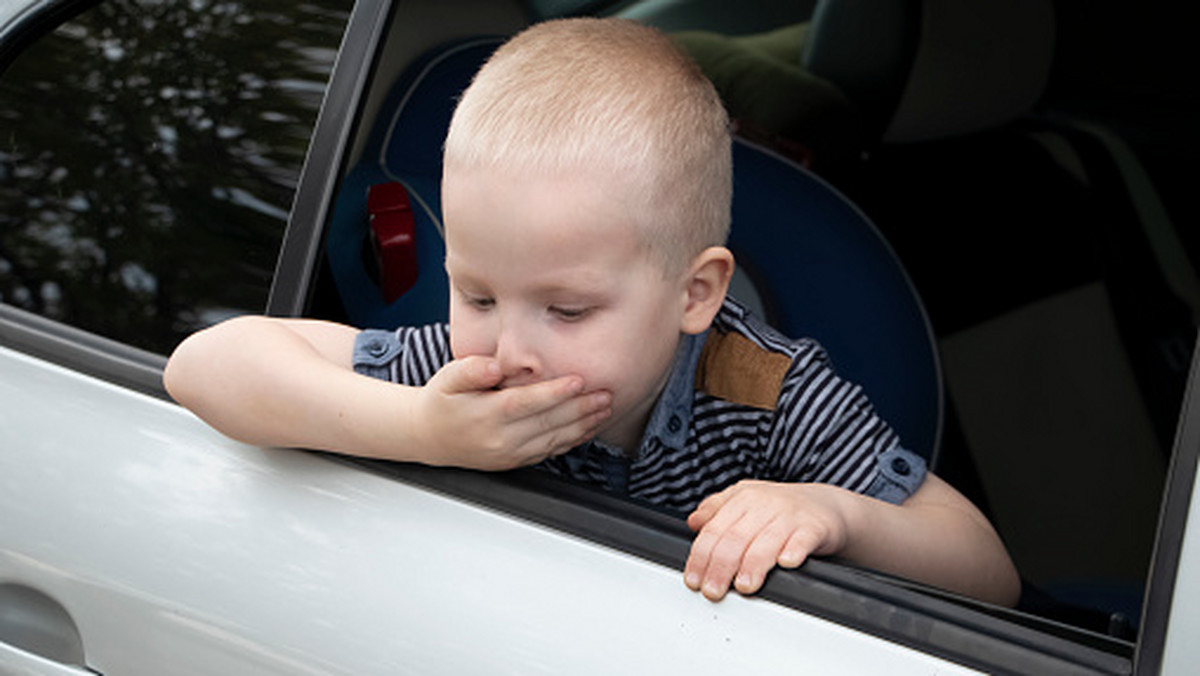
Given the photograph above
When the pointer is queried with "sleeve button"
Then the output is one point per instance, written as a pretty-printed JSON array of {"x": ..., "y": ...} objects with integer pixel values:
[{"x": 900, "y": 466}]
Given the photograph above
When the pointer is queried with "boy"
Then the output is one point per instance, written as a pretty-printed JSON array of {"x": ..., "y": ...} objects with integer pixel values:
[{"x": 586, "y": 194}]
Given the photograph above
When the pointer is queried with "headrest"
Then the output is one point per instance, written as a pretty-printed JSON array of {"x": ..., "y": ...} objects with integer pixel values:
[
  {"x": 772, "y": 98},
  {"x": 927, "y": 69}
]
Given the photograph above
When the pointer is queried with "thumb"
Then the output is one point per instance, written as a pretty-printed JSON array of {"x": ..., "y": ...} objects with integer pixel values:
[{"x": 469, "y": 374}]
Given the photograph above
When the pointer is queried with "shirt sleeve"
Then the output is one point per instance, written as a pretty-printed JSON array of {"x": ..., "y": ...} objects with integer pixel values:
[
  {"x": 827, "y": 431},
  {"x": 409, "y": 355},
  {"x": 898, "y": 474}
]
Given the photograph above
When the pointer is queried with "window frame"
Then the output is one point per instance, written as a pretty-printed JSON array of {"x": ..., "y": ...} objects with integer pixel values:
[
  {"x": 328, "y": 153},
  {"x": 31, "y": 20},
  {"x": 1165, "y": 564},
  {"x": 82, "y": 351},
  {"x": 969, "y": 633}
]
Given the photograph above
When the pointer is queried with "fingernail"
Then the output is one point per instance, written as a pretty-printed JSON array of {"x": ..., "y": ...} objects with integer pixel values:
[
  {"x": 692, "y": 580},
  {"x": 789, "y": 560},
  {"x": 713, "y": 591}
]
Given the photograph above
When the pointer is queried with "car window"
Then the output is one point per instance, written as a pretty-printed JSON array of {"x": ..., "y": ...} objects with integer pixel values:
[
  {"x": 149, "y": 157},
  {"x": 1065, "y": 348}
]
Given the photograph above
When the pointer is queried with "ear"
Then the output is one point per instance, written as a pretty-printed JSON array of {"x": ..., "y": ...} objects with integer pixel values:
[{"x": 706, "y": 283}]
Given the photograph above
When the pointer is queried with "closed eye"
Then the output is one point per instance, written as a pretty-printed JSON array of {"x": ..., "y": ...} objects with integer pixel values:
[
  {"x": 476, "y": 302},
  {"x": 481, "y": 303},
  {"x": 569, "y": 314}
]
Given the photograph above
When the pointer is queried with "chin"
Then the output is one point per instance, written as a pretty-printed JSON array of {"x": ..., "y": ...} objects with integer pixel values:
[{"x": 610, "y": 434}]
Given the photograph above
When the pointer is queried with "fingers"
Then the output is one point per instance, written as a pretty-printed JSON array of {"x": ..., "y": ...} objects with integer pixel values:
[
  {"x": 708, "y": 508},
  {"x": 554, "y": 414},
  {"x": 723, "y": 548},
  {"x": 747, "y": 530},
  {"x": 469, "y": 374},
  {"x": 762, "y": 555},
  {"x": 538, "y": 398},
  {"x": 480, "y": 426},
  {"x": 799, "y": 545},
  {"x": 552, "y": 404},
  {"x": 564, "y": 425}
]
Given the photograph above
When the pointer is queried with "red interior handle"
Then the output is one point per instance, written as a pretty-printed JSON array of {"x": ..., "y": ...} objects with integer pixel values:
[{"x": 393, "y": 238}]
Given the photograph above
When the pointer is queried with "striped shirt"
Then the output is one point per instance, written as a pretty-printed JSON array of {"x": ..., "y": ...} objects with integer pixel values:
[{"x": 742, "y": 402}]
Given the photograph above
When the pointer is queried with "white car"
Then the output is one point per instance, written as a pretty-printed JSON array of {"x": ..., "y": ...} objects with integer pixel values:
[{"x": 1025, "y": 318}]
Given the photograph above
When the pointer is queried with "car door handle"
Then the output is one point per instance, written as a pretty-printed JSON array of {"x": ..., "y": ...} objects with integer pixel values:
[
  {"x": 37, "y": 635},
  {"x": 17, "y": 662}
]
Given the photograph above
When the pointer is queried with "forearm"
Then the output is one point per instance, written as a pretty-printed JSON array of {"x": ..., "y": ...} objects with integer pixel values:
[
  {"x": 259, "y": 381},
  {"x": 272, "y": 382},
  {"x": 937, "y": 537}
]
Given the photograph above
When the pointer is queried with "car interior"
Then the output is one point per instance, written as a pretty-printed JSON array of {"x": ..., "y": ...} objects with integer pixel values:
[{"x": 979, "y": 225}]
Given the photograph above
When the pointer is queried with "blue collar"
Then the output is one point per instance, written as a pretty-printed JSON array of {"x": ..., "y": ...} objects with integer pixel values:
[
  {"x": 672, "y": 415},
  {"x": 669, "y": 421}
]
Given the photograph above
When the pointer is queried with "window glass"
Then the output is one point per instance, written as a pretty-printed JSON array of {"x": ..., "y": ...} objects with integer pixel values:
[{"x": 149, "y": 153}]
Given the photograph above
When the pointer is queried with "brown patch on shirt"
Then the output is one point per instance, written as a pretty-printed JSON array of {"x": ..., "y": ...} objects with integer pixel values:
[{"x": 733, "y": 368}]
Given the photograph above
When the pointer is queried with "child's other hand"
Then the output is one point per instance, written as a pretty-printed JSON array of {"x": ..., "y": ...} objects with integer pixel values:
[
  {"x": 468, "y": 423},
  {"x": 749, "y": 528}
]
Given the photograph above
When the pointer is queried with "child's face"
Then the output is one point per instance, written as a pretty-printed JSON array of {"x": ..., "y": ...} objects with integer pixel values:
[{"x": 550, "y": 277}]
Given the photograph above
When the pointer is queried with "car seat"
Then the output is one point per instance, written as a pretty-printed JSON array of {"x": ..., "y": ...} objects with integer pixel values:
[
  {"x": 1058, "y": 288},
  {"x": 810, "y": 261},
  {"x": 404, "y": 148}
]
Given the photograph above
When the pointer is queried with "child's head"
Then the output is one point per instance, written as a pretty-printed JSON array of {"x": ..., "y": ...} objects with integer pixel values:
[
  {"x": 586, "y": 196},
  {"x": 615, "y": 101}
]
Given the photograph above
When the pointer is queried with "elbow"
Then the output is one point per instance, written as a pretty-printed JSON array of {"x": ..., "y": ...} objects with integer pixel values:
[
  {"x": 175, "y": 375},
  {"x": 195, "y": 363},
  {"x": 1003, "y": 590},
  {"x": 996, "y": 580},
  {"x": 1008, "y": 584}
]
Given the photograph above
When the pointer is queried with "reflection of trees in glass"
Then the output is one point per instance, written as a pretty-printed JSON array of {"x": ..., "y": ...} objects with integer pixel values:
[{"x": 149, "y": 151}]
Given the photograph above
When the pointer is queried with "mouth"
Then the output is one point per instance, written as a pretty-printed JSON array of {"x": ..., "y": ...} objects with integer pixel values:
[{"x": 514, "y": 382}]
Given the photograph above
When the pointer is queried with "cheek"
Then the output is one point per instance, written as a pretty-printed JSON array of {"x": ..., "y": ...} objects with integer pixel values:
[
  {"x": 611, "y": 357},
  {"x": 649, "y": 349},
  {"x": 574, "y": 350},
  {"x": 468, "y": 336}
]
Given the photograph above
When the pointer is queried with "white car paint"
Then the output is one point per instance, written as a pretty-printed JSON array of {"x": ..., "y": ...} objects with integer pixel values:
[{"x": 176, "y": 550}]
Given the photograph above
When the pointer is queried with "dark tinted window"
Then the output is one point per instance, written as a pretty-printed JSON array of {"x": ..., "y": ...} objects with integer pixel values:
[{"x": 148, "y": 158}]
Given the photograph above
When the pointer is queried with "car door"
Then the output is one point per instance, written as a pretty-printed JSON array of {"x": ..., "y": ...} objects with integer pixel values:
[{"x": 136, "y": 540}]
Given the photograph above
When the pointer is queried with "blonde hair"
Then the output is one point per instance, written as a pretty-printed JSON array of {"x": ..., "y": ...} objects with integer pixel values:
[{"x": 608, "y": 95}]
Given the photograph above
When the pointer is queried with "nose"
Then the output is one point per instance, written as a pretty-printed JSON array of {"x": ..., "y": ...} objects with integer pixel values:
[{"x": 515, "y": 351}]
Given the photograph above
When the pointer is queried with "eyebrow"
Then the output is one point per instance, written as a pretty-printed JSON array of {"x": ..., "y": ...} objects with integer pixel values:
[
  {"x": 589, "y": 294},
  {"x": 588, "y": 285}
]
